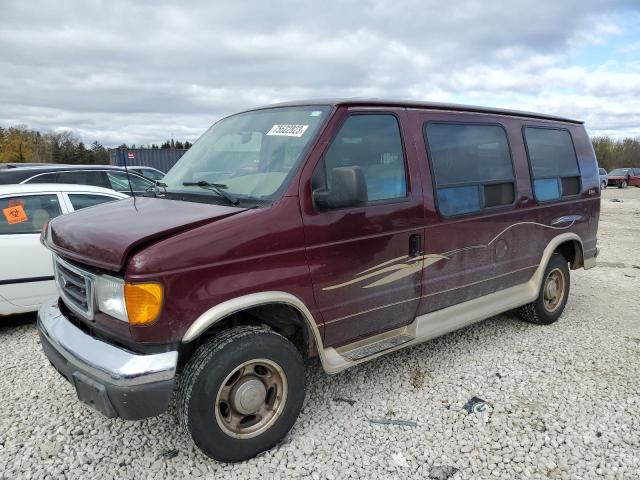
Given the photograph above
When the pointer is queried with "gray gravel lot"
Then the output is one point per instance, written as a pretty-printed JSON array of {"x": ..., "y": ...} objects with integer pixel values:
[{"x": 563, "y": 401}]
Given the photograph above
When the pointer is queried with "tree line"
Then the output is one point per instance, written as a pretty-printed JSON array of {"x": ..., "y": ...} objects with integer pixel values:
[
  {"x": 613, "y": 153},
  {"x": 19, "y": 144},
  {"x": 22, "y": 145}
]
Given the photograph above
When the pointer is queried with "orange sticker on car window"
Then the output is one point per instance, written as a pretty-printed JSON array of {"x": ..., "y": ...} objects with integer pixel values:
[{"x": 15, "y": 214}]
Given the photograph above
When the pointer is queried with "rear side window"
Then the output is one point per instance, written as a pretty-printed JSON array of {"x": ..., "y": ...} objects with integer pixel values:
[
  {"x": 119, "y": 181},
  {"x": 471, "y": 166},
  {"x": 84, "y": 200},
  {"x": 44, "y": 178},
  {"x": 373, "y": 143},
  {"x": 82, "y": 177},
  {"x": 554, "y": 166},
  {"x": 27, "y": 213}
]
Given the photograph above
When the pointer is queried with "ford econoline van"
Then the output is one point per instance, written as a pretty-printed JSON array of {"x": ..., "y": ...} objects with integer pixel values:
[{"x": 338, "y": 229}]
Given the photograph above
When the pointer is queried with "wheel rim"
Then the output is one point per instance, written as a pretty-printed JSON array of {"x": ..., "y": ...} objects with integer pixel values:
[
  {"x": 251, "y": 398},
  {"x": 554, "y": 287},
  {"x": 624, "y": 184}
]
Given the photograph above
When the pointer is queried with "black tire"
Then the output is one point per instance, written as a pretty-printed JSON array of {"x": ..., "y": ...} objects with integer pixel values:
[
  {"x": 538, "y": 312},
  {"x": 603, "y": 185},
  {"x": 211, "y": 365},
  {"x": 624, "y": 184}
]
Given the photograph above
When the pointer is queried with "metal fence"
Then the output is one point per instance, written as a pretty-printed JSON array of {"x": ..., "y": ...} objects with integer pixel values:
[{"x": 161, "y": 158}]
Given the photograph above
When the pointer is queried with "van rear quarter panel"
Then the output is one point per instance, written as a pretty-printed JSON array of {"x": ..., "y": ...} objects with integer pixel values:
[
  {"x": 502, "y": 247},
  {"x": 254, "y": 251}
]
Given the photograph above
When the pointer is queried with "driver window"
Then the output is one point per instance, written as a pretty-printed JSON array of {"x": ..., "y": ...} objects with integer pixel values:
[{"x": 373, "y": 143}]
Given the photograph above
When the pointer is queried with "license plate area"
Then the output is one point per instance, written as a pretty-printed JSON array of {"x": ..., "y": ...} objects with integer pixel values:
[{"x": 93, "y": 394}]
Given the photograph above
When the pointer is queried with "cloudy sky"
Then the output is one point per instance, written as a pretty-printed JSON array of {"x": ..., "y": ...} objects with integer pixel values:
[{"x": 139, "y": 72}]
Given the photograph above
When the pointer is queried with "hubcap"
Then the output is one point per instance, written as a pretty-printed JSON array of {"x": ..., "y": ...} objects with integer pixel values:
[
  {"x": 251, "y": 398},
  {"x": 247, "y": 395},
  {"x": 554, "y": 289}
]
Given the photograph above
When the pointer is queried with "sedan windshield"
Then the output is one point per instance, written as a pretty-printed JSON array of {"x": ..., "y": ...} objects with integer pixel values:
[
  {"x": 618, "y": 171},
  {"x": 250, "y": 155}
]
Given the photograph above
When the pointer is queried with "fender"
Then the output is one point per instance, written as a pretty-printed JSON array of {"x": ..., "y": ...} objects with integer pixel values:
[{"x": 229, "y": 307}]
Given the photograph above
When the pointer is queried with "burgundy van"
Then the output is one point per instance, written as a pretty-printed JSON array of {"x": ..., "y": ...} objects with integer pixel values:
[{"x": 338, "y": 229}]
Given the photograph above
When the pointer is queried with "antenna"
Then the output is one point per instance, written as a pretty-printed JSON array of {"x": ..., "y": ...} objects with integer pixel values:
[{"x": 126, "y": 169}]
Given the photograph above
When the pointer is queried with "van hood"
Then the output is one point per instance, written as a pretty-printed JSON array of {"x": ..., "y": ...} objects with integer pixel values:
[{"x": 105, "y": 235}]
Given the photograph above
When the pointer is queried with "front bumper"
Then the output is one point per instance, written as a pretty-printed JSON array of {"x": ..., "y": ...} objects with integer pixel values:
[{"x": 111, "y": 380}]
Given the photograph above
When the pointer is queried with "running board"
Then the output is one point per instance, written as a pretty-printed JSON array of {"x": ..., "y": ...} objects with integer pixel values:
[
  {"x": 431, "y": 325},
  {"x": 373, "y": 348}
]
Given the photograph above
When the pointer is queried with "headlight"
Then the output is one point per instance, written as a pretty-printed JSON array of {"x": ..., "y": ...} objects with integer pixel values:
[
  {"x": 136, "y": 303},
  {"x": 110, "y": 296}
]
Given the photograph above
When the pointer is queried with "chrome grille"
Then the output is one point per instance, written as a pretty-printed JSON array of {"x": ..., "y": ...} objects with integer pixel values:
[{"x": 75, "y": 287}]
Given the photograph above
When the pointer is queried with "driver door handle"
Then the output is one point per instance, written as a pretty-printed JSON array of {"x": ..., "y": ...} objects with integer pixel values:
[{"x": 415, "y": 245}]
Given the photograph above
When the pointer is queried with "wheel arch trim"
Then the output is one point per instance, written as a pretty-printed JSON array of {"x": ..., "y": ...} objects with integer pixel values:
[{"x": 222, "y": 310}]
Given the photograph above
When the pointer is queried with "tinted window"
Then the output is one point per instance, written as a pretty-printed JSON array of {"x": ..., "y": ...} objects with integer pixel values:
[
  {"x": 373, "y": 143},
  {"x": 83, "y": 200},
  {"x": 119, "y": 181},
  {"x": 28, "y": 213},
  {"x": 45, "y": 178},
  {"x": 152, "y": 174},
  {"x": 619, "y": 172},
  {"x": 552, "y": 157},
  {"x": 82, "y": 177},
  {"x": 471, "y": 166}
]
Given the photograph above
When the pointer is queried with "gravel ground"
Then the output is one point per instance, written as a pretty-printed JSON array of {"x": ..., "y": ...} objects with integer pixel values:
[{"x": 562, "y": 401}]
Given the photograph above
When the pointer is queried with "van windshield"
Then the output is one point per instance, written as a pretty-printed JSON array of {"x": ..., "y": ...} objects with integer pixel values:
[{"x": 250, "y": 156}]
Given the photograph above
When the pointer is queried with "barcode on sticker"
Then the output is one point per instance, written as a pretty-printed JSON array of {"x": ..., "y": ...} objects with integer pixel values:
[{"x": 288, "y": 130}]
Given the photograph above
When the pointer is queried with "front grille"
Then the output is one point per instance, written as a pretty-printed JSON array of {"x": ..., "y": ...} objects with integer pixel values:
[{"x": 75, "y": 287}]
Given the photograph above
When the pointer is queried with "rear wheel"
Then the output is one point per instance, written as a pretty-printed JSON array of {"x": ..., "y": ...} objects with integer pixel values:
[
  {"x": 549, "y": 305},
  {"x": 241, "y": 393}
]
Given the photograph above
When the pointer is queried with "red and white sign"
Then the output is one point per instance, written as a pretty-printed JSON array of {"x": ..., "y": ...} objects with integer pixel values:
[{"x": 131, "y": 155}]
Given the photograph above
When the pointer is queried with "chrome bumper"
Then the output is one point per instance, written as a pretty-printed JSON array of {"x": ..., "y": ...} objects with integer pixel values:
[{"x": 116, "y": 382}]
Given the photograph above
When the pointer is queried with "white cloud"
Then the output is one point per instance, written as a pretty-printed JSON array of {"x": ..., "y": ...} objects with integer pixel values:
[{"x": 138, "y": 72}]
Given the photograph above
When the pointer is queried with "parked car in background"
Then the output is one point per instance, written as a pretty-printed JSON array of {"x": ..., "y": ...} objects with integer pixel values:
[
  {"x": 8, "y": 165},
  {"x": 147, "y": 172},
  {"x": 105, "y": 176},
  {"x": 26, "y": 276},
  {"x": 623, "y": 177},
  {"x": 345, "y": 229},
  {"x": 603, "y": 178}
]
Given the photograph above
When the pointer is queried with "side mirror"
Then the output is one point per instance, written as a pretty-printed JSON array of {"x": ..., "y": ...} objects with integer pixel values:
[{"x": 348, "y": 189}]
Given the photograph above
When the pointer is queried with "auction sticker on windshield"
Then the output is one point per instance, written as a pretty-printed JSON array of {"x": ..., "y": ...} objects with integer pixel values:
[
  {"x": 288, "y": 130},
  {"x": 15, "y": 214}
]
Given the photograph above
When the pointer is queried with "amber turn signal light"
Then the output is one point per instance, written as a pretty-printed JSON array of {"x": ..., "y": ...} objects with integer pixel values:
[{"x": 143, "y": 301}]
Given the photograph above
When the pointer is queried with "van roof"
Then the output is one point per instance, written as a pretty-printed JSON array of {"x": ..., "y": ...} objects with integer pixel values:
[{"x": 376, "y": 102}]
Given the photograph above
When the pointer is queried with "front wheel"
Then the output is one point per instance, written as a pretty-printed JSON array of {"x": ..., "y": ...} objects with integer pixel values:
[
  {"x": 603, "y": 185},
  {"x": 623, "y": 184},
  {"x": 241, "y": 393},
  {"x": 554, "y": 292}
]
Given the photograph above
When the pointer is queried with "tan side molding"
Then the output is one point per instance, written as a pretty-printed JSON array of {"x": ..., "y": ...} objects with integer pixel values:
[{"x": 423, "y": 328}]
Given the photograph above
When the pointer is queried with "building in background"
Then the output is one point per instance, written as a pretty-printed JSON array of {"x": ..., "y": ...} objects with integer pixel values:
[{"x": 161, "y": 158}]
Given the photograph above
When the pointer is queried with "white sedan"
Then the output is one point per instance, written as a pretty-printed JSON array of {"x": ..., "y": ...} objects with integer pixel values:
[{"x": 26, "y": 268}]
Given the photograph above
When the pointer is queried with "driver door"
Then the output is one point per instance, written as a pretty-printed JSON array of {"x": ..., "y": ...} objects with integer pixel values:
[{"x": 365, "y": 260}]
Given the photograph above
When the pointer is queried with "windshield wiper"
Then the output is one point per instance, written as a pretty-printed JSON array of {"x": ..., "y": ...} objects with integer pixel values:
[{"x": 219, "y": 188}]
